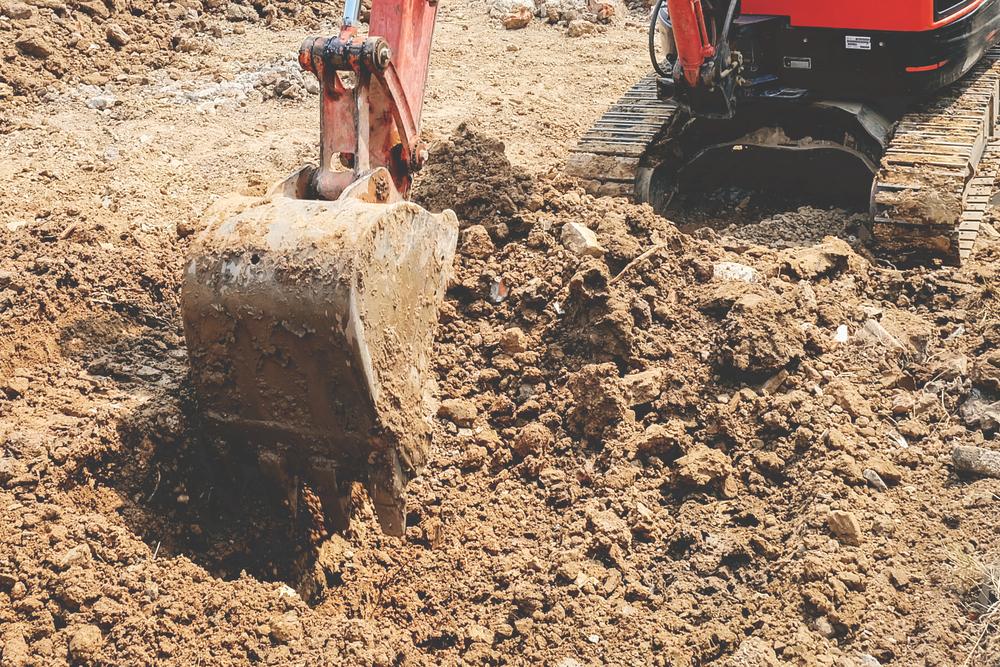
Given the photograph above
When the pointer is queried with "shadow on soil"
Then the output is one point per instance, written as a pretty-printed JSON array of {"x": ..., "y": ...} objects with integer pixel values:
[
  {"x": 182, "y": 493},
  {"x": 189, "y": 495}
]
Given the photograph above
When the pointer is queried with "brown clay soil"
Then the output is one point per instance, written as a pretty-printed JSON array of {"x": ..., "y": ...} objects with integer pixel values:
[{"x": 721, "y": 448}]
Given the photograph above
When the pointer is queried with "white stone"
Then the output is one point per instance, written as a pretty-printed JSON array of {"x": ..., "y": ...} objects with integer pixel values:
[
  {"x": 734, "y": 271},
  {"x": 581, "y": 240}
]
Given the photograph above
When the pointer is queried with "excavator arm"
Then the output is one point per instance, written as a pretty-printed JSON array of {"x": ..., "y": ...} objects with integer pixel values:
[
  {"x": 374, "y": 120},
  {"x": 704, "y": 73}
]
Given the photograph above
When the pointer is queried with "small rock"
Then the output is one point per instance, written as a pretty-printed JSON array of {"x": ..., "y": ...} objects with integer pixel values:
[
  {"x": 33, "y": 43},
  {"x": 14, "y": 472},
  {"x": 703, "y": 467},
  {"x": 116, "y": 35},
  {"x": 823, "y": 626},
  {"x": 645, "y": 386},
  {"x": 978, "y": 412},
  {"x": 899, "y": 577},
  {"x": 518, "y": 18},
  {"x": 474, "y": 458},
  {"x": 476, "y": 242},
  {"x": 15, "y": 650},
  {"x": 845, "y": 527},
  {"x": 885, "y": 469},
  {"x": 874, "y": 479},
  {"x": 94, "y": 8},
  {"x": 914, "y": 429},
  {"x": 610, "y": 525},
  {"x": 909, "y": 330},
  {"x": 850, "y": 399},
  {"x": 534, "y": 438},
  {"x": 581, "y": 240},
  {"x": 185, "y": 227},
  {"x": 580, "y": 27},
  {"x": 734, "y": 271},
  {"x": 986, "y": 370},
  {"x": 18, "y": 591},
  {"x": 286, "y": 628},
  {"x": 476, "y": 633},
  {"x": 241, "y": 13},
  {"x": 85, "y": 643},
  {"x": 831, "y": 256},
  {"x": 433, "y": 530},
  {"x": 461, "y": 411},
  {"x": 524, "y": 626},
  {"x": 16, "y": 10},
  {"x": 669, "y": 439},
  {"x": 513, "y": 341},
  {"x": 15, "y": 387},
  {"x": 101, "y": 102},
  {"x": 873, "y": 333},
  {"x": 78, "y": 555},
  {"x": 754, "y": 652},
  {"x": 976, "y": 461},
  {"x": 606, "y": 10},
  {"x": 148, "y": 373},
  {"x": 949, "y": 365}
]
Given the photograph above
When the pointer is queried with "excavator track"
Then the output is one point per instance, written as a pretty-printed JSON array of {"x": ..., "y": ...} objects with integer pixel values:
[
  {"x": 930, "y": 195},
  {"x": 936, "y": 178},
  {"x": 608, "y": 157}
]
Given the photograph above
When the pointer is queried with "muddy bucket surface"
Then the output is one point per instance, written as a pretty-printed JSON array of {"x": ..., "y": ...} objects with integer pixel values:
[{"x": 310, "y": 327}]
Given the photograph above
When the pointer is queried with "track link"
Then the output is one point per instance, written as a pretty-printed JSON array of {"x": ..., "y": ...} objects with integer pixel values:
[
  {"x": 607, "y": 157},
  {"x": 936, "y": 178}
]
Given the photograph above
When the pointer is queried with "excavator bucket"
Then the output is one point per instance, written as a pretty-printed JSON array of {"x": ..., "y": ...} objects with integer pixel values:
[{"x": 310, "y": 326}]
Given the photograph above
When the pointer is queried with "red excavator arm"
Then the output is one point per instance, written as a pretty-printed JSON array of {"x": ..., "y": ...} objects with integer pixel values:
[
  {"x": 703, "y": 76},
  {"x": 373, "y": 121},
  {"x": 694, "y": 45}
]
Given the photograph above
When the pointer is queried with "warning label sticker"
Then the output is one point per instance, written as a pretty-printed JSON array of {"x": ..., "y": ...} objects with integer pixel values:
[{"x": 858, "y": 42}]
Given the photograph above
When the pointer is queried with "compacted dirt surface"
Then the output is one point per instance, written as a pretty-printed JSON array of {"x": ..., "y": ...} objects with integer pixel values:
[{"x": 731, "y": 445}]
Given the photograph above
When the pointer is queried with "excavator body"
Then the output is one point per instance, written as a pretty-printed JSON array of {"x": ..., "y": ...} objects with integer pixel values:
[
  {"x": 309, "y": 313},
  {"x": 899, "y": 98}
]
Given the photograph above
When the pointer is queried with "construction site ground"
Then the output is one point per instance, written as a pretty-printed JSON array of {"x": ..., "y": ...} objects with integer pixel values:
[{"x": 727, "y": 445}]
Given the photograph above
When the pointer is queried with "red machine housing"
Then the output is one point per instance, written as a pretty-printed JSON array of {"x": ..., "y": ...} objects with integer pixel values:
[
  {"x": 849, "y": 49},
  {"x": 894, "y": 15}
]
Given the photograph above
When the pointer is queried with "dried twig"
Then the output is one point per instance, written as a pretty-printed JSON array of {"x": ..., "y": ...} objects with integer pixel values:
[{"x": 638, "y": 260}]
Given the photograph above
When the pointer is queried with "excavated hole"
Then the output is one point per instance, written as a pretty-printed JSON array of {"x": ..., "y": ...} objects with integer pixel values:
[{"x": 725, "y": 187}]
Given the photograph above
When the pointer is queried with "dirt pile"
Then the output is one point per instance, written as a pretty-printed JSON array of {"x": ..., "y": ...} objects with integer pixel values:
[
  {"x": 652, "y": 448},
  {"x": 470, "y": 174},
  {"x": 48, "y": 44},
  {"x": 668, "y": 461}
]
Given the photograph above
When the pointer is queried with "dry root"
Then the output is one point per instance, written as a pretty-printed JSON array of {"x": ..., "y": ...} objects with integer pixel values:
[{"x": 981, "y": 578}]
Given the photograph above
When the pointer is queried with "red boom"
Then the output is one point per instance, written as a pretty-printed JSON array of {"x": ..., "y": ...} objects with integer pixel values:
[
  {"x": 691, "y": 36},
  {"x": 376, "y": 122}
]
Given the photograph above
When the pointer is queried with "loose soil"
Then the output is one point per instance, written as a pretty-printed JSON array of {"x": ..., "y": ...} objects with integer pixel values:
[{"x": 729, "y": 447}]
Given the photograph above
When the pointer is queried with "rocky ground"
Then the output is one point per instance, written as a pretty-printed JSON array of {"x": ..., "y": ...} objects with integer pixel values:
[{"x": 729, "y": 445}]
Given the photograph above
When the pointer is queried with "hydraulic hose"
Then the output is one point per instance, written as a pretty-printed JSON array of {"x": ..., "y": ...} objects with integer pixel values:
[{"x": 652, "y": 40}]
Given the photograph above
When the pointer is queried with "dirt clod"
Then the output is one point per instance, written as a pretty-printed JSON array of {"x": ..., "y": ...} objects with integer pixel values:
[
  {"x": 845, "y": 526},
  {"x": 85, "y": 644}
]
